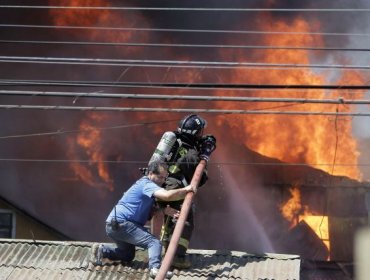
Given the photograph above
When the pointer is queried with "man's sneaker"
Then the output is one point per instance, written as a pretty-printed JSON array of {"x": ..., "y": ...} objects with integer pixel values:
[
  {"x": 97, "y": 255},
  {"x": 181, "y": 263},
  {"x": 154, "y": 271}
]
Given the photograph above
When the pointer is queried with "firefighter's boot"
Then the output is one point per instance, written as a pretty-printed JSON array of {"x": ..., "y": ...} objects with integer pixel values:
[{"x": 180, "y": 262}]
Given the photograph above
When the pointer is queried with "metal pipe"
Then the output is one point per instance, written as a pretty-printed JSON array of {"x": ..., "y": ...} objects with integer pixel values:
[{"x": 167, "y": 260}]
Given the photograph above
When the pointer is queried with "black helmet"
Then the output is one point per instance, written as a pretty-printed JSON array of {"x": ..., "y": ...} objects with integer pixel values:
[{"x": 192, "y": 125}]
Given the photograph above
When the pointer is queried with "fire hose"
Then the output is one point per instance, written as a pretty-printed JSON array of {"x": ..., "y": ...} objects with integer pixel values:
[{"x": 171, "y": 250}]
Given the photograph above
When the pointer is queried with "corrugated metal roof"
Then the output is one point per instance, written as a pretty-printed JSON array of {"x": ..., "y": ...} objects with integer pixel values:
[{"x": 26, "y": 259}]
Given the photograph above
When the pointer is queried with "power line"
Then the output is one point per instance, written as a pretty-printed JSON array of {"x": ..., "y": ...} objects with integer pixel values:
[
  {"x": 61, "y": 131},
  {"x": 212, "y": 162},
  {"x": 340, "y": 100},
  {"x": 111, "y": 28},
  {"x": 167, "y": 63},
  {"x": 227, "y": 86},
  {"x": 233, "y": 87},
  {"x": 199, "y": 9},
  {"x": 264, "y": 86},
  {"x": 173, "y": 45},
  {"x": 69, "y": 160},
  {"x": 179, "y": 110},
  {"x": 179, "y": 30}
]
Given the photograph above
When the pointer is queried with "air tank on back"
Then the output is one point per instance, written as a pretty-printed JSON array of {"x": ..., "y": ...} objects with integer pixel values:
[{"x": 164, "y": 147}]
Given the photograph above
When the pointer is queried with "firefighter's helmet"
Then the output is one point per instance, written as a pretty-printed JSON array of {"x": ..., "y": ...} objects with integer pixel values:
[{"x": 192, "y": 125}]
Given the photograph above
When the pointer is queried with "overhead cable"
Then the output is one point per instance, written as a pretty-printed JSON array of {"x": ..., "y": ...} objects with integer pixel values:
[
  {"x": 148, "y": 29},
  {"x": 62, "y": 131},
  {"x": 213, "y": 162},
  {"x": 199, "y": 9},
  {"x": 114, "y": 84},
  {"x": 173, "y": 45},
  {"x": 170, "y": 63},
  {"x": 232, "y": 86},
  {"x": 340, "y": 100},
  {"x": 179, "y": 110}
]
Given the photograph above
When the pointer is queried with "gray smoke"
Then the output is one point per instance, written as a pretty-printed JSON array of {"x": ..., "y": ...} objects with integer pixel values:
[{"x": 52, "y": 192}]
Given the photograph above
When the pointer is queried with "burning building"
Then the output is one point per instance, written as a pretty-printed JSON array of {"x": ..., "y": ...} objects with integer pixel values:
[{"x": 285, "y": 178}]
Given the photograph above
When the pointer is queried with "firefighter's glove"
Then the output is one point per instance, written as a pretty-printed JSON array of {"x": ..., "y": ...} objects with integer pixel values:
[{"x": 207, "y": 146}]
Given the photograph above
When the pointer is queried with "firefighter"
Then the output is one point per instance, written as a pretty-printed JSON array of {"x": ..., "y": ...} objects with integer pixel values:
[{"x": 182, "y": 150}]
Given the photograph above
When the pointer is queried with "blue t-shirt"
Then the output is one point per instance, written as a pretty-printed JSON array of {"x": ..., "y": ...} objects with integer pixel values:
[{"x": 135, "y": 204}]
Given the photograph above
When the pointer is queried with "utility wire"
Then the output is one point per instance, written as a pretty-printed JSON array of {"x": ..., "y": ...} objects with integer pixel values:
[
  {"x": 340, "y": 100},
  {"x": 199, "y": 9},
  {"x": 179, "y": 110},
  {"x": 173, "y": 45},
  {"x": 213, "y": 163},
  {"x": 214, "y": 86},
  {"x": 325, "y": 206},
  {"x": 241, "y": 86},
  {"x": 267, "y": 88},
  {"x": 111, "y": 28},
  {"x": 172, "y": 63},
  {"x": 62, "y": 132}
]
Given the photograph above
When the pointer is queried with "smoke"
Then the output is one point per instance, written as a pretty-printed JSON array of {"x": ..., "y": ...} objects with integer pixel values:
[
  {"x": 361, "y": 128},
  {"x": 235, "y": 210}
]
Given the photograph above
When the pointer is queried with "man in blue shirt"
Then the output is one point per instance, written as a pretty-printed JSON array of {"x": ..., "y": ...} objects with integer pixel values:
[{"x": 125, "y": 223}]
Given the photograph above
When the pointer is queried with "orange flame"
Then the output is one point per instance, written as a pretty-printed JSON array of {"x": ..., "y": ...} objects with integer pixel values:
[
  {"x": 320, "y": 225},
  {"x": 292, "y": 208},
  {"x": 90, "y": 140},
  {"x": 294, "y": 212},
  {"x": 82, "y": 17},
  {"x": 99, "y": 18},
  {"x": 318, "y": 140}
]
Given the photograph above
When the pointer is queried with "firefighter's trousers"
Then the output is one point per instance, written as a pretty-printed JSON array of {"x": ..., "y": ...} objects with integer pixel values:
[{"x": 168, "y": 228}]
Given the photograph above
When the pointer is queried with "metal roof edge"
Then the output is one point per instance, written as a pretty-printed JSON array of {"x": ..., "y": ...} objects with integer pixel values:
[
  {"x": 243, "y": 254},
  {"x": 224, "y": 252}
]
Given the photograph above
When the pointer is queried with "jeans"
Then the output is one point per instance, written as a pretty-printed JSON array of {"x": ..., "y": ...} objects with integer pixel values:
[{"x": 126, "y": 237}]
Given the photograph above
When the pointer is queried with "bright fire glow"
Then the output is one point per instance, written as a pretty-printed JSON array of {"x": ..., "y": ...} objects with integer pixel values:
[
  {"x": 315, "y": 140},
  {"x": 89, "y": 141},
  {"x": 320, "y": 225},
  {"x": 294, "y": 212},
  {"x": 86, "y": 17}
]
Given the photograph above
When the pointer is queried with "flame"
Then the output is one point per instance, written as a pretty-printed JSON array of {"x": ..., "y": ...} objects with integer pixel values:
[
  {"x": 82, "y": 17},
  {"x": 323, "y": 142},
  {"x": 294, "y": 212},
  {"x": 292, "y": 208},
  {"x": 320, "y": 141},
  {"x": 320, "y": 225},
  {"x": 90, "y": 140},
  {"x": 99, "y": 18}
]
